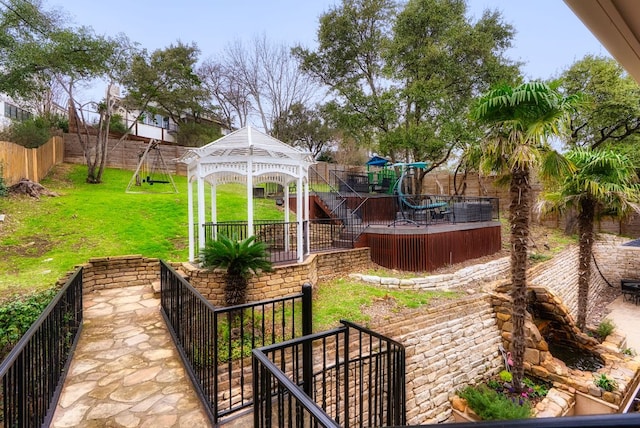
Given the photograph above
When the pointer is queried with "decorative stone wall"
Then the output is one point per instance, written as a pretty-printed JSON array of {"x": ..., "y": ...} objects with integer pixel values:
[
  {"x": 617, "y": 261},
  {"x": 123, "y": 271},
  {"x": 447, "y": 347},
  {"x": 538, "y": 361},
  {"x": 612, "y": 262},
  {"x": 117, "y": 271},
  {"x": 475, "y": 274},
  {"x": 284, "y": 280}
]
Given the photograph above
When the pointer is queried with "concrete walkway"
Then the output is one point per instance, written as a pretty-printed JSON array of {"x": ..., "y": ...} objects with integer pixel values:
[
  {"x": 126, "y": 371},
  {"x": 626, "y": 317}
]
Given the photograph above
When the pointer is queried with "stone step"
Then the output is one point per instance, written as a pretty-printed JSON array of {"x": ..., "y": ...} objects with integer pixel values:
[{"x": 156, "y": 288}]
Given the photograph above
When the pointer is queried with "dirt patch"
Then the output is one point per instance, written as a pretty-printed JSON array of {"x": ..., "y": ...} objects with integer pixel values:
[
  {"x": 60, "y": 175},
  {"x": 31, "y": 246}
]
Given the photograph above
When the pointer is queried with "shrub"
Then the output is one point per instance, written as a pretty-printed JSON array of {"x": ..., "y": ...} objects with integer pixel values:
[
  {"x": 492, "y": 406},
  {"x": 605, "y": 328},
  {"x": 17, "y": 315},
  {"x": 3, "y": 185},
  {"x": 629, "y": 351},
  {"x": 535, "y": 389},
  {"x": 116, "y": 124},
  {"x": 605, "y": 382},
  {"x": 506, "y": 376},
  {"x": 30, "y": 133},
  {"x": 193, "y": 134}
]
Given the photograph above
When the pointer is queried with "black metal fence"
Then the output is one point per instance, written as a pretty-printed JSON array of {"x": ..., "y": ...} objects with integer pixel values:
[
  {"x": 216, "y": 343},
  {"x": 349, "y": 376},
  {"x": 34, "y": 371},
  {"x": 279, "y": 236}
]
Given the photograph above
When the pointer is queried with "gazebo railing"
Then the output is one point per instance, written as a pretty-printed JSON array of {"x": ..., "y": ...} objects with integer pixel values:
[{"x": 279, "y": 236}]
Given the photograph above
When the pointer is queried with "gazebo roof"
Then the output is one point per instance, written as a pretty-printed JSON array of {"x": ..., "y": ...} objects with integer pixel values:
[{"x": 243, "y": 143}]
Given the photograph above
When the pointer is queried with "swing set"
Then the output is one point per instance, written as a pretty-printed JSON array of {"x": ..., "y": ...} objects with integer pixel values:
[{"x": 151, "y": 169}]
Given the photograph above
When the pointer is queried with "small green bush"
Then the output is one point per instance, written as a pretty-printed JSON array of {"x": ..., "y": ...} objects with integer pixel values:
[
  {"x": 17, "y": 315},
  {"x": 506, "y": 376},
  {"x": 535, "y": 389},
  {"x": 30, "y": 133},
  {"x": 492, "y": 406},
  {"x": 116, "y": 124},
  {"x": 605, "y": 382},
  {"x": 3, "y": 186},
  {"x": 629, "y": 351},
  {"x": 193, "y": 134},
  {"x": 605, "y": 328}
]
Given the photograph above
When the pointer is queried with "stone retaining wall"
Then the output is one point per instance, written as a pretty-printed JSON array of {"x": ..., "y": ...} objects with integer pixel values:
[
  {"x": 447, "y": 347},
  {"x": 612, "y": 262},
  {"x": 122, "y": 271},
  {"x": 470, "y": 275},
  {"x": 118, "y": 271}
]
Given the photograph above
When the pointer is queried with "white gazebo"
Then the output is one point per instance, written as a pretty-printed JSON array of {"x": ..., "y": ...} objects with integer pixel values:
[{"x": 249, "y": 157}]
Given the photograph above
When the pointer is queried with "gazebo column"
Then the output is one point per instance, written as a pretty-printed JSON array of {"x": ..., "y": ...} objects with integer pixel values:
[
  {"x": 214, "y": 208},
  {"x": 299, "y": 217},
  {"x": 250, "y": 184},
  {"x": 249, "y": 198},
  {"x": 192, "y": 243},
  {"x": 287, "y": 230},
  {"x": 306, "y": 216},
  {"x": 201, "y": 210}
]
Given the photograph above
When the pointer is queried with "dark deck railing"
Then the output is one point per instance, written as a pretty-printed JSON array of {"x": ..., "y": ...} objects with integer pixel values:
[
  {"x": 34, "y": 371},
  {"x": 215, "y": 343},
  {"x": 279, "y": 236},
  {"x": 349, "y": 376}
]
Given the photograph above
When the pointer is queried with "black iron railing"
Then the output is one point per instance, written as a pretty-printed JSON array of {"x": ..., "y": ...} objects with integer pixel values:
[
  {"x": 215, "y": 343},
  {"x": 349, "y": 376},
  {"x": 279, "y": 236},
  {"x": 34, "y": 371}
]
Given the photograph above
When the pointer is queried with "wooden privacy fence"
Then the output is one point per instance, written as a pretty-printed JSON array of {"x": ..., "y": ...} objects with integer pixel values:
[{"x": 18, "y": 162}]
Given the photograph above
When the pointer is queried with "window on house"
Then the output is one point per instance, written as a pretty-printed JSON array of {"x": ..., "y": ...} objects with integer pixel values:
[{"x": 16, "y": 113}]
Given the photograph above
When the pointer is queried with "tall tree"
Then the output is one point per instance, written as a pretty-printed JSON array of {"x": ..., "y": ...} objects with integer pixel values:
[
  {"x": 603, "y": 182},
  {"x": 167, "y": 80},
  {"x": 519, "y": 121},
  {"x": 227, "y": 92},
  {"x": 303, "y": 127},
  {"x": 611, "y": 112},
  {"x": 269, "y": 74},
  {"x": 404, "y": 78},
  {"x": 36, "y": 47}
]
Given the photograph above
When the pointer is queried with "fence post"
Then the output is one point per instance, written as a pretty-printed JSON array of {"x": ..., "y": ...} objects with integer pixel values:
[{"x": 307, "y": 328}]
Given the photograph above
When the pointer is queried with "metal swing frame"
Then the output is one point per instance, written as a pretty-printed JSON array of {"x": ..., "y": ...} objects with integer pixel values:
[{"x": 135, "y": 179}]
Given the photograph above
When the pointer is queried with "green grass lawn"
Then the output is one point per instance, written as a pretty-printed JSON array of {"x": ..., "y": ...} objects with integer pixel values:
[
  {"x": 42, "y": 239},
  {"x": 359, "y": 301}
]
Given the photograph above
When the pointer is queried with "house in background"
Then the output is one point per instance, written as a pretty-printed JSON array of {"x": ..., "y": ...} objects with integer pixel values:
[
  {"x": 157, "y": 126},
  {"x": 10, "y": 111}
]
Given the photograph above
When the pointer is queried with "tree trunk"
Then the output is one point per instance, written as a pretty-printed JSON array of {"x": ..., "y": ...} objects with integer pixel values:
[
  {"x": 585, "y": 231},
  {"x": 235, "y": 292},
  {"x": 519, "y": 217}
]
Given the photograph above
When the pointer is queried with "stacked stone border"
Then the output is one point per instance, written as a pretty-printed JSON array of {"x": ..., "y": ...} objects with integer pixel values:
[{"x": 122, "y": 271}]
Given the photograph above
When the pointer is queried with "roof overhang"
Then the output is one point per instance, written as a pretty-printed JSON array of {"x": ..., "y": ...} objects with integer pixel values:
[{"x": 616, "y": 24}]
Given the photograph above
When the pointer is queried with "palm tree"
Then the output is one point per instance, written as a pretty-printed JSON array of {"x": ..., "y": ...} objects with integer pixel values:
[
  {"x": 240, "y": 258},
  {"x": 604, "y": 181},
  {"x": 519, "y": 121}
]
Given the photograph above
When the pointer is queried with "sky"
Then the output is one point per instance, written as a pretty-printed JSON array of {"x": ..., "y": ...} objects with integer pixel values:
[{"x": 549, "y": 38}]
